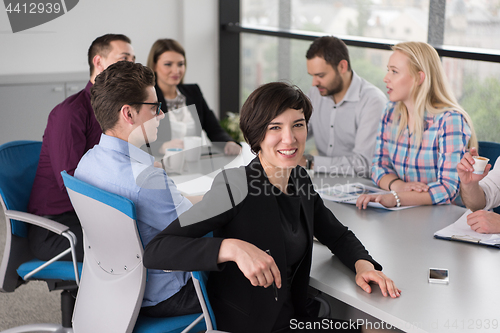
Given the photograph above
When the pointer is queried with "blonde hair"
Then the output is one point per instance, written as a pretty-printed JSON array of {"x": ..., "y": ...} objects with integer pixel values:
[{"x": 433, "y": 95}]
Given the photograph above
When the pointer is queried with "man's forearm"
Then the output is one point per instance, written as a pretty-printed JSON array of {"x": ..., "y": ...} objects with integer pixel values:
[{"x": 473, "y": 196}]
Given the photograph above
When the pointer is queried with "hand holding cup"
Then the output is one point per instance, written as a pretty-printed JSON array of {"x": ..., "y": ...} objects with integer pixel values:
[
  {"x": 472, "y": 167},
  {"x": 480, "y": 164}
]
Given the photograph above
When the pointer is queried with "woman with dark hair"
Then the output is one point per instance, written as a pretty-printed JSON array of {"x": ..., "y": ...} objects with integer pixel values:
[
  {"x": 167, "y": 59},
  {"x": 263, "y": 217}
]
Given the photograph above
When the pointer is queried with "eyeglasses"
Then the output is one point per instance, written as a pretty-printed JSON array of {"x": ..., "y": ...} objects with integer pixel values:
[{"x": 157, "y": 112}]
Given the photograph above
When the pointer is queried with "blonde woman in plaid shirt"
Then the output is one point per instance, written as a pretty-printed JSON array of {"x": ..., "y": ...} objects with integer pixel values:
[{"x": 423, "y": 133}]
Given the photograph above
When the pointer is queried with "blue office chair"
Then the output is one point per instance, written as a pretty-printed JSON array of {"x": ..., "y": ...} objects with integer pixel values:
[
  {"x": 490, "y": 150},
  {"x": 18, "y": 164},
  {"x": 199, "y": 281},
  {"x": 114, "y": 277}
]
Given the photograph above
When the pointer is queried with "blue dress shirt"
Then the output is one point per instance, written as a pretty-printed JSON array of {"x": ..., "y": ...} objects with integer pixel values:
[{"x": 118, "y": 167}]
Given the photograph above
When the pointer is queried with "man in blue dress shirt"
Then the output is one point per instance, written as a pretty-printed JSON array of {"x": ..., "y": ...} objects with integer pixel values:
[{"x": 127, "y": 109}]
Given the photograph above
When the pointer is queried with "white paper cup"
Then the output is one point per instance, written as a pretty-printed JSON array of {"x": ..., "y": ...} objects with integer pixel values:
[
  {"x": 192, "y": 148},
  {"x": 479, "y": 164},
  {"x": 173, "y": 160}
]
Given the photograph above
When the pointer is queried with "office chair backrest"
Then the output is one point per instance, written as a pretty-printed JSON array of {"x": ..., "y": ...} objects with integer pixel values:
[
  {"x": 18, "y": 164},
  {"x": 113, "y": 277}
]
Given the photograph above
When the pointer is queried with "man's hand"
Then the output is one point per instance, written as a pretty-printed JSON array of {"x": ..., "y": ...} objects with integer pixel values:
[
  {"x": 157, "y": 164},
  {"x": 484, "y": 222},
  {"x": 465, "y": 169}
]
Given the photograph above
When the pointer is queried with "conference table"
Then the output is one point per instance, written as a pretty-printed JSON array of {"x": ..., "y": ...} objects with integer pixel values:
[{"x": 402, "y": 242}]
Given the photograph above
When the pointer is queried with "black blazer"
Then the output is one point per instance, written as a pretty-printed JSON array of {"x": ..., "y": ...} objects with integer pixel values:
[
  {"x": 255, "y": 218},
  {"x": 207, "y": 120}
]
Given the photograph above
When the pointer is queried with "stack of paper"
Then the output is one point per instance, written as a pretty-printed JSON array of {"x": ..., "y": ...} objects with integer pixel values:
[
  {"x": 349, "y": 193},
  {"x": 461, "y": 231},
  {"x": 194, "y": 184}
]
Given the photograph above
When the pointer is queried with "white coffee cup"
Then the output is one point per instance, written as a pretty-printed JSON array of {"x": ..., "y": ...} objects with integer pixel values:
[
  {"x": 192, "y": 148},
  {"x": 479, "y": 164},
  {"x": 173, "y": 161}
]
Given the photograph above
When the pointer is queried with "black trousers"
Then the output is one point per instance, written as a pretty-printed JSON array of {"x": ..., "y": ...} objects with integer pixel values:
[
  {"x": 313, "y": 324},
  {"x": 184, "y": 302},
  {"x": 45, "y": 244}
]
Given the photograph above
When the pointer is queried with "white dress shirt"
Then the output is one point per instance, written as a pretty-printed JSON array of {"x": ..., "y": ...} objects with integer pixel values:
[{"x": 491, "y": 187}]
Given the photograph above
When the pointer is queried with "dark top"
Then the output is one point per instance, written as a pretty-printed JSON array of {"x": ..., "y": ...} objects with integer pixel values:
[
  {"x": 204, "y": 118},
  {"x": 293, "y": 224},
  {"x": 71, "y": 130},
  {"x": 295, "y": 233},
  {"x": 255, "y": 218}
]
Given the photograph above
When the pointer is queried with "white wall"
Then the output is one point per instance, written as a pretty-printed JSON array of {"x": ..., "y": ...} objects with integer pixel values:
[
  {"x": 61, "y": 45},
  {"x": 199, "y": 33}
]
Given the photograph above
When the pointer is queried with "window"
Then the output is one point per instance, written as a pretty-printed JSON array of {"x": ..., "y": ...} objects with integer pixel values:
[
  {"x": 473, "y": 23},
  {"x": 263, "y": 65},
  {"x": 366, "y": 18},
  {"x": 476, "y": 85},
  {"x": 456, "y": 24}
]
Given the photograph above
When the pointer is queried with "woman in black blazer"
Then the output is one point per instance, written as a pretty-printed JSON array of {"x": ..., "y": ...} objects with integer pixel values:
[
  {"x": 268, "y": 206},
  {"x": 167, "y": 59}
]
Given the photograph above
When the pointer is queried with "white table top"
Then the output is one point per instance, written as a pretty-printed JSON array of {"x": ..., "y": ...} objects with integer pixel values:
[{"x": 403, "y": 243}]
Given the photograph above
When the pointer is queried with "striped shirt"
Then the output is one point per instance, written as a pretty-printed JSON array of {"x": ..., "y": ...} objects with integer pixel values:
[{"x": 434, "y": 163}]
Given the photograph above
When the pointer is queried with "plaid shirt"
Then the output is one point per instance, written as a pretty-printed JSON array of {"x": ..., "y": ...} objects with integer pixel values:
[{"x": 435, "y": 162}]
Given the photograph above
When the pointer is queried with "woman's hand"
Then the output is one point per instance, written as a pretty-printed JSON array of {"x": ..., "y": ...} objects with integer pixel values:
[
  {"x": 232, "y": 148},
  {"x": 157, "y": 164},
  {"x": 175, "y": 143},
  {"x": 387, "y": 200},
  {"x": 255, "y": 264},
  {"x": 366, "y": 273},
  {"x": 402, "y": 186}
]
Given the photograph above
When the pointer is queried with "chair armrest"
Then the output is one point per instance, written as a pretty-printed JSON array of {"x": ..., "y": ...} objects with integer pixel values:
[
  {"x": 55, "y": 227},
  {"x": 40, "y": 221}
]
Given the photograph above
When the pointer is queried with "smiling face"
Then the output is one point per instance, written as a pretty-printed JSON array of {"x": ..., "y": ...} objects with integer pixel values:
[
  {"x": 326, "y": 78},
  {"x": 170, "y": 68},
  {"x": 398, "y": 79},
  {"x": 284, "y": 142}
]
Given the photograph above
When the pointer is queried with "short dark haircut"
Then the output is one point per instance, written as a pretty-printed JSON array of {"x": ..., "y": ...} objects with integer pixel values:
[
  {"x": 266, "y": 103},
  {"x": 161, "y": 46},
  {"x": 102, "y": 46},
  {"x": 121, "y": 83},
  {"x": 330, "y": 48}
]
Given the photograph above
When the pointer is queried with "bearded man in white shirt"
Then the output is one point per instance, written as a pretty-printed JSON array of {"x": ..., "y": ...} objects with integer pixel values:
[{"x": 346, "y": 111}]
